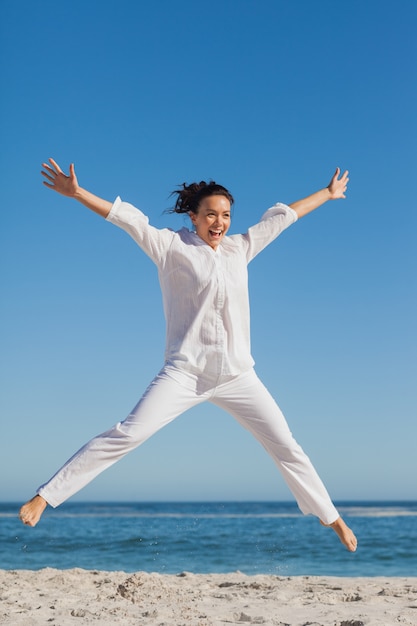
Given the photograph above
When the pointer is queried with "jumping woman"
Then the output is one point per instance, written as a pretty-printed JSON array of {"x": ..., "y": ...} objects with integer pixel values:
[{"x": 204, "y": 282}]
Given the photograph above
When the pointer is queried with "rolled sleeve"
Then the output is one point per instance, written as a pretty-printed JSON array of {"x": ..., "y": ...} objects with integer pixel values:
[
  {"x": 153, "y": 241},
  {"x": 273, "y": 222}
]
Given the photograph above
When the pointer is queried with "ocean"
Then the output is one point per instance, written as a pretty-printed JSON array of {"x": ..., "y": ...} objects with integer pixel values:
[{"x": 212, "y": 537}]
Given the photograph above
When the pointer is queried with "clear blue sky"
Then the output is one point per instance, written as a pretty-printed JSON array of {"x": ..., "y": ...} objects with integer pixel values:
[{"x": 266, "y": 97}]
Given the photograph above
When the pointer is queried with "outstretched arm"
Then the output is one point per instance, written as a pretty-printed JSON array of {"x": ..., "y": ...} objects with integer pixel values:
[
  {"x": 335, "y": 190},
  {"x": 68, "y": 186}
]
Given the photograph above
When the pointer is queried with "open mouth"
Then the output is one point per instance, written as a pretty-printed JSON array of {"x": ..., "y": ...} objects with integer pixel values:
[{"x": 215, "y": 233}]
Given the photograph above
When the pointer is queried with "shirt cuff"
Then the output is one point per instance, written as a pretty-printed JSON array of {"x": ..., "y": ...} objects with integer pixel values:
[
  {"x": 294, "y": 213},
  {"x": 290, "y": 211},
  {"x": 281, "y": 209},
  {"x": 114, "y": 209}
]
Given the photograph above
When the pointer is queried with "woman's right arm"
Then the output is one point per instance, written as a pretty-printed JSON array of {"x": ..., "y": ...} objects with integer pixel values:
[{"x": 68, "y": 186}]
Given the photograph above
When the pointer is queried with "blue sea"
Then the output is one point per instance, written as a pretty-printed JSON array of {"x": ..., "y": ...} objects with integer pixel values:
[{"x": 208, "y": 537}]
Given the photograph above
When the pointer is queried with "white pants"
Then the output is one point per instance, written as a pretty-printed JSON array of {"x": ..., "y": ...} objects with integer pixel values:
[{"x": 171, "y": 393}]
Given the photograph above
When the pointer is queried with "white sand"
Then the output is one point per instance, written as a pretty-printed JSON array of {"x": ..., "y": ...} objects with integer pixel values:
[{"x": 77, "y": 597}]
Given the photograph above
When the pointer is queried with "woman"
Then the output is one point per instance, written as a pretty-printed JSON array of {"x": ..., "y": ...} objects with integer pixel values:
[{"x": 203, "y": 277}]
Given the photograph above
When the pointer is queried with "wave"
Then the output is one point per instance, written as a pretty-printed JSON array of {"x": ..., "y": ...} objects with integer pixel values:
[{"x": 199, "y": 511}]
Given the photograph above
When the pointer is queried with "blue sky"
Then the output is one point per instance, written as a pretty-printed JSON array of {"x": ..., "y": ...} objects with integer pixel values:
[{"x": 266, "y": 97}]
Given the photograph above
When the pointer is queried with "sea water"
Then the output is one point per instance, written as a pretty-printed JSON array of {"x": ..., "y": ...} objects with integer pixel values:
[{"x": 252, "y": 537}]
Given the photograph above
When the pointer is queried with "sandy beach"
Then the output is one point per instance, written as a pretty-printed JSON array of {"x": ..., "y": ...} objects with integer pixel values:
[{"x": 76, "y": 596}]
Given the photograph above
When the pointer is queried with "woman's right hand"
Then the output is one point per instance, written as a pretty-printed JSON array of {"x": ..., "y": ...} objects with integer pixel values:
[
  {"x": 68, "y": 186},
  {"x": 58, "y": 181}
]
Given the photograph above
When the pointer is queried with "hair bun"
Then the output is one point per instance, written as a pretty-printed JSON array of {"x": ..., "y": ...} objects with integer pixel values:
[{"x": 190, "y": 196}]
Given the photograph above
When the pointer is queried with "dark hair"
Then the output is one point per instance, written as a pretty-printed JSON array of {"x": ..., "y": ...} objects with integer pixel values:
[{"x": 190, "y": 196}]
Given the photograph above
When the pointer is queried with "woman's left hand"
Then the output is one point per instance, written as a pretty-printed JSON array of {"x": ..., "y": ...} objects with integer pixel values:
[{"x": 338, "y": 186}]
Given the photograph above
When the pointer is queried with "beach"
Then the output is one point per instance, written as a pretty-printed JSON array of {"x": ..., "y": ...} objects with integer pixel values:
[
  {"x": 78, "y": 596},
  {"x": 207, "y": 564}
]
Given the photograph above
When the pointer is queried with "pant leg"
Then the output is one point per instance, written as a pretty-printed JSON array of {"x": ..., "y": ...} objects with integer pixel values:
[
  {"x": 169, "y": 394},
  {"x": 248, "y": 400}
]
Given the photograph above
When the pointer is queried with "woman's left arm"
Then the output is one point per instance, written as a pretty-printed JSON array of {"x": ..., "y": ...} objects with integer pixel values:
[{"x": 335, "y": 190}]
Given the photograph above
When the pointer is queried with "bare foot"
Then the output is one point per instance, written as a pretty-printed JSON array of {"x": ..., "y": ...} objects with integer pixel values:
[
  {"x": 31, "y": 512},
  {"x": 344, "y": 533}
]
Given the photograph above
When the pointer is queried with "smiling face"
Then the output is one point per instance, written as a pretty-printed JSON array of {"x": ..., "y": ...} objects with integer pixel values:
[{"x": 212, "y": 220}]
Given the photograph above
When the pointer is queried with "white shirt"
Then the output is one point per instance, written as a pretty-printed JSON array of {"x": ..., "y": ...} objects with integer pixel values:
[{"x": 204, "y": 291}]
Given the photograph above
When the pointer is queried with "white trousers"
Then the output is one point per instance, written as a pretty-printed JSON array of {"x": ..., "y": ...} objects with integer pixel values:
[{"x": 171, "y": 393}]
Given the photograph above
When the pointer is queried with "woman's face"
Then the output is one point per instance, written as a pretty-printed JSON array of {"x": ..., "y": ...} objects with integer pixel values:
[{"x": 212, "y": 220}]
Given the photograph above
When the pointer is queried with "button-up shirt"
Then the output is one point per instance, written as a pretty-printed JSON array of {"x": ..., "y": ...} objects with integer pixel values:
[{"x": 204, "y": 291}]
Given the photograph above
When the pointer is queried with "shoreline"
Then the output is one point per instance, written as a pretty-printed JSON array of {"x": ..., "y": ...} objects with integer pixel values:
[{"x": 35, "y": 597}]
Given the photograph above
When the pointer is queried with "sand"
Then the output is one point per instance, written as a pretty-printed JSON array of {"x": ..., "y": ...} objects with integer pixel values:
[{"x": 78, "y": 597}]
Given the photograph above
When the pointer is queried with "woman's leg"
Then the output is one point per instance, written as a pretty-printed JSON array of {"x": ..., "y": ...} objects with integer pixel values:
[
  {"x": 170, "y": 394},
  {"x": 248, "y": 400}
]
